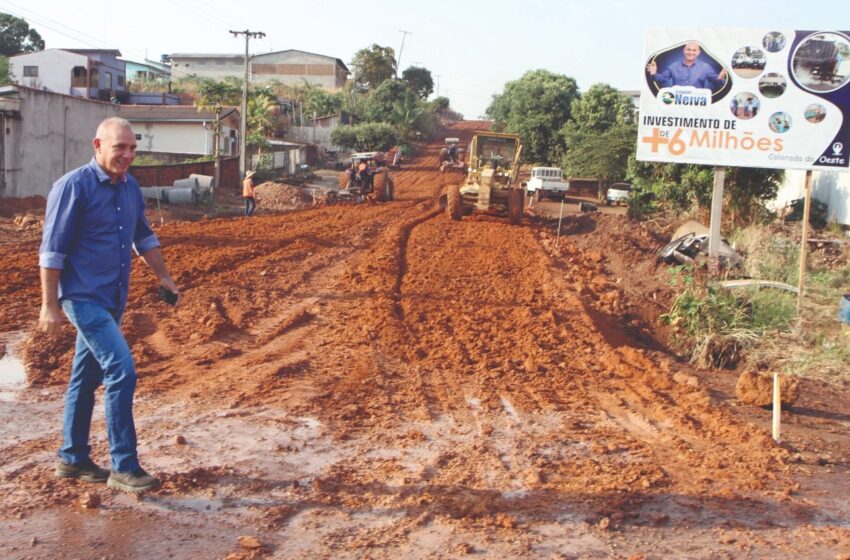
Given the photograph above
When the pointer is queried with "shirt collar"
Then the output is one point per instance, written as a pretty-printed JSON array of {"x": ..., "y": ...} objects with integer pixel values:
[{"x": 102, "y": 175}]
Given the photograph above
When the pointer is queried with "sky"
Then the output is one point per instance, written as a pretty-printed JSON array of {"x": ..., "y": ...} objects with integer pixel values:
[{"x": 474, "y": 46}]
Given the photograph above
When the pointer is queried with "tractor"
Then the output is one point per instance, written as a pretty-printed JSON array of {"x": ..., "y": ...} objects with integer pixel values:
[{"x": 491, "y": 180}]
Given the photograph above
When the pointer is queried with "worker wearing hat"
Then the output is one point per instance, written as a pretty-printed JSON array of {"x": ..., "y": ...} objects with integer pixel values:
[{"x": 248, "y": 193}]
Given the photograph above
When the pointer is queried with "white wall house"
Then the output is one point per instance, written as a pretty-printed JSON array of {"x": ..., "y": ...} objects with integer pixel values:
[
  {"x": 89, "y": 73},
  {"x": 291, "y": 67},
  {"x": 182, "y": 129},
  {"x": 830, "y": 187},
  {"x": 44, "y": 135}
]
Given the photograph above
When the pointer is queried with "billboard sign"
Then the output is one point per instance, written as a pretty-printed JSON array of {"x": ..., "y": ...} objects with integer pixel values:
[{"x": 774, "y": 98}]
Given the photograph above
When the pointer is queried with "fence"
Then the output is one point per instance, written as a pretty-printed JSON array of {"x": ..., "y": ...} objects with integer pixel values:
[{"x": 156, "y": 175}]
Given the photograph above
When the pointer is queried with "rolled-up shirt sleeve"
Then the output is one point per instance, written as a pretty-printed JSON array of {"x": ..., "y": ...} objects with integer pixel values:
[
  {"x": 145, "y": 239},
  {"x": 61, "y": 221}
]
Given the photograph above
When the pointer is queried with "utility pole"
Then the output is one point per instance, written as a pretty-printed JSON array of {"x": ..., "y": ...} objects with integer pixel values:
[
  {"x": 438, "y": 83},
  {"x": 244, "y": 110},
  {"x": 401, "y": 50}
]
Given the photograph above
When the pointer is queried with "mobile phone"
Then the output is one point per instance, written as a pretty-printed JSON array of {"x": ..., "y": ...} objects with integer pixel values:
[{"x": 167, "y": 296}]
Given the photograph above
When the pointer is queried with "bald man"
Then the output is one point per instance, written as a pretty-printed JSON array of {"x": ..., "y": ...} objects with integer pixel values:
[
  {"x": 689, "y": 71},
  {"x": 95, "y": 215}
]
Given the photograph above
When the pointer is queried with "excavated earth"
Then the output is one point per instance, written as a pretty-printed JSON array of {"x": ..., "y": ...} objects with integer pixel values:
[{"x": 378, "y": 381}]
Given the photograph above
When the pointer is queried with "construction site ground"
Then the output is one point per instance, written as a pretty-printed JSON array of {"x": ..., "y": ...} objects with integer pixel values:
[{"x": 378, "y": 381}]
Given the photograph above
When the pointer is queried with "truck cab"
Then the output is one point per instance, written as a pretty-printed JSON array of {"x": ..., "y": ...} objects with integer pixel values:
[{"x": 547, "y": 182}]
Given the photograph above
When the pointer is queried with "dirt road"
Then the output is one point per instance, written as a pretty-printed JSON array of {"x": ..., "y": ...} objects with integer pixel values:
[{"x": 378, "y": 381}]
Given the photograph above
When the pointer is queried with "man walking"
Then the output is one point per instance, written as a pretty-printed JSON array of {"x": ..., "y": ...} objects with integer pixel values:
[{"x": 95, "y": 215}]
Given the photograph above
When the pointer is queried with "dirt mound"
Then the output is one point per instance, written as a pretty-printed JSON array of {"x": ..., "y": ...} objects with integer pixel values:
[
  {"x": 282, "y": 197},
  {"x": 756, "y": 388},
  {"x": 9, "y": 207}
]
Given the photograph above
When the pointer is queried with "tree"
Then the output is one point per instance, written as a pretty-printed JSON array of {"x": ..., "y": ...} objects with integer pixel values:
[
  {"x": 17, "y": 37},
  {"x": 536, "y": 107},
  {"x": 373, "y": 66},
  {"x": 599, "y": 154},
  {"x": 260, "y": 107},
  {"x": 600, "y": 108},
  {"x": 364, "y": 137},
  {"x": 5, "y": 76},
  {"x": 321, "y": 103},
  {"x": 406, "y": 115},
  {"x": 419, "y": 80},
  {"x": 380, "y": 105},
  {"x": 600, "y": 136}
]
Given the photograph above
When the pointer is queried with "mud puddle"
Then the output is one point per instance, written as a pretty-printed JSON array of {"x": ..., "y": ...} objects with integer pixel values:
[{"x": 12, "y": 372}]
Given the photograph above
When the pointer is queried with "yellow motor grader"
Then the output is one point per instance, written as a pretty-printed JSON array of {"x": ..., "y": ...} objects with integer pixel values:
[{"x": 491, "y": 180}]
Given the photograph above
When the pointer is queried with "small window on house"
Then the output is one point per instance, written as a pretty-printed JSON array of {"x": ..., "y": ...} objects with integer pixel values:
[
  {"x": 108, "y": 82},
  {"x": 30, "y": 71},
  {"x": 120, "y": 81},
  {"x": 138, "y": 136}
]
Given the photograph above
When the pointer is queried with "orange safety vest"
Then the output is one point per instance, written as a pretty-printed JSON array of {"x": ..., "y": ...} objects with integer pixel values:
[{"x": 248, "y": 188}]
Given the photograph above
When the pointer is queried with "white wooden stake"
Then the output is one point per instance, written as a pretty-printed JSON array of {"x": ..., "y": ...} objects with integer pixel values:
[
  {"x": 777, "y": 407},
  {"x": 560, "y": 215}
]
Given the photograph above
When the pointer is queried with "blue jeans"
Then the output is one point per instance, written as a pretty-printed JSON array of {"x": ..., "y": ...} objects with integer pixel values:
[
  {"x": 250, "y": 204},
  {"x": 101, "y": 356}
]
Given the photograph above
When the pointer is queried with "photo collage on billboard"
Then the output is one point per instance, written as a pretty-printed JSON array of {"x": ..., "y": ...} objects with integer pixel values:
[{"x": 746, "y": 97}]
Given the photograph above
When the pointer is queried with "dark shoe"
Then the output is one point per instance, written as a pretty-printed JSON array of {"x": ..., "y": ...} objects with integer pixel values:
[
  {"x": 87, "y": 471},
  {"x": 136, "y": 481}
]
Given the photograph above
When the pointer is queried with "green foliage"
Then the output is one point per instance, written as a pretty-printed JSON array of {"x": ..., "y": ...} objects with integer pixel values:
[
  {"x": 322, "y": 103},
  {"x": 768, "y": 256},
  {"x": 344, "y": 136},
  {"x": 365, "y": 137},
  {"x": 600, "y": 136},
  {"x": 681, "y": 187},
  {"x": 381, "y": 103},
  {"x": 5, "y": 76},
  {"x": 442, "y": 106},
  {"x": 419, "y": 80},
  {"x": 714, "y": 325},
  {"x": 600, "y": 109},
  {"x": 373, "y": 66},
  {"x": 406, "y": 114},
  {"x": 536, "y": 107},
  {"x": 817, "y": 213},
  {"x": 684, "y": 187},
  {"x": 439, "y": 104},
  {"x": 259, "y": 121},
  {"x": 602, "y": 154},
  {"x": 642, "y": 203},
  {"x": 375, "y": 136},
  {"x": 212, "y": 93},
  {"x": 16, "y": 36}
]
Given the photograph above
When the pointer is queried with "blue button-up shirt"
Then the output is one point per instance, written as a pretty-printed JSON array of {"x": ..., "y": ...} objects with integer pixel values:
[
  {"x": 699, "y": 74},
  {"x": 90, "y": 226}
]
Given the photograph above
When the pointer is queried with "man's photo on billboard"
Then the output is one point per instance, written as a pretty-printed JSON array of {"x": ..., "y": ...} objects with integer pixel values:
[{"x": 687, "y": 64}]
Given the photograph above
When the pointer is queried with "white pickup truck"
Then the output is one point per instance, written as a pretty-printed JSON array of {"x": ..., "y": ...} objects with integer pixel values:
[{"x": 547, "y": 182}]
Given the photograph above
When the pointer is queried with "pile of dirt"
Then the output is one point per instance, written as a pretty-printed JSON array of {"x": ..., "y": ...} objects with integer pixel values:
[
  {"x": 10, "y": 207},
  {"x": 756, "y": 388},
  {"x": 282, "y": 197}
]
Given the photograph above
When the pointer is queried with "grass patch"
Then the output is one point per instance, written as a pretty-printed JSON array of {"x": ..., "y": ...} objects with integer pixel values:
[
  {"x": 714, "y": 326},
  {"x": 719, "y": 328}
]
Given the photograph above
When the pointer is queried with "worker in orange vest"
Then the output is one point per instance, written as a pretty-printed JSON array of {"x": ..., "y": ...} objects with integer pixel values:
[{"x": 248, "y": 193}]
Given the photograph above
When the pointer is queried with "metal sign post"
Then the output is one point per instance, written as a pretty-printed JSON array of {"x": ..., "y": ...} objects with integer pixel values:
[{"x": 716, "y": 219}]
